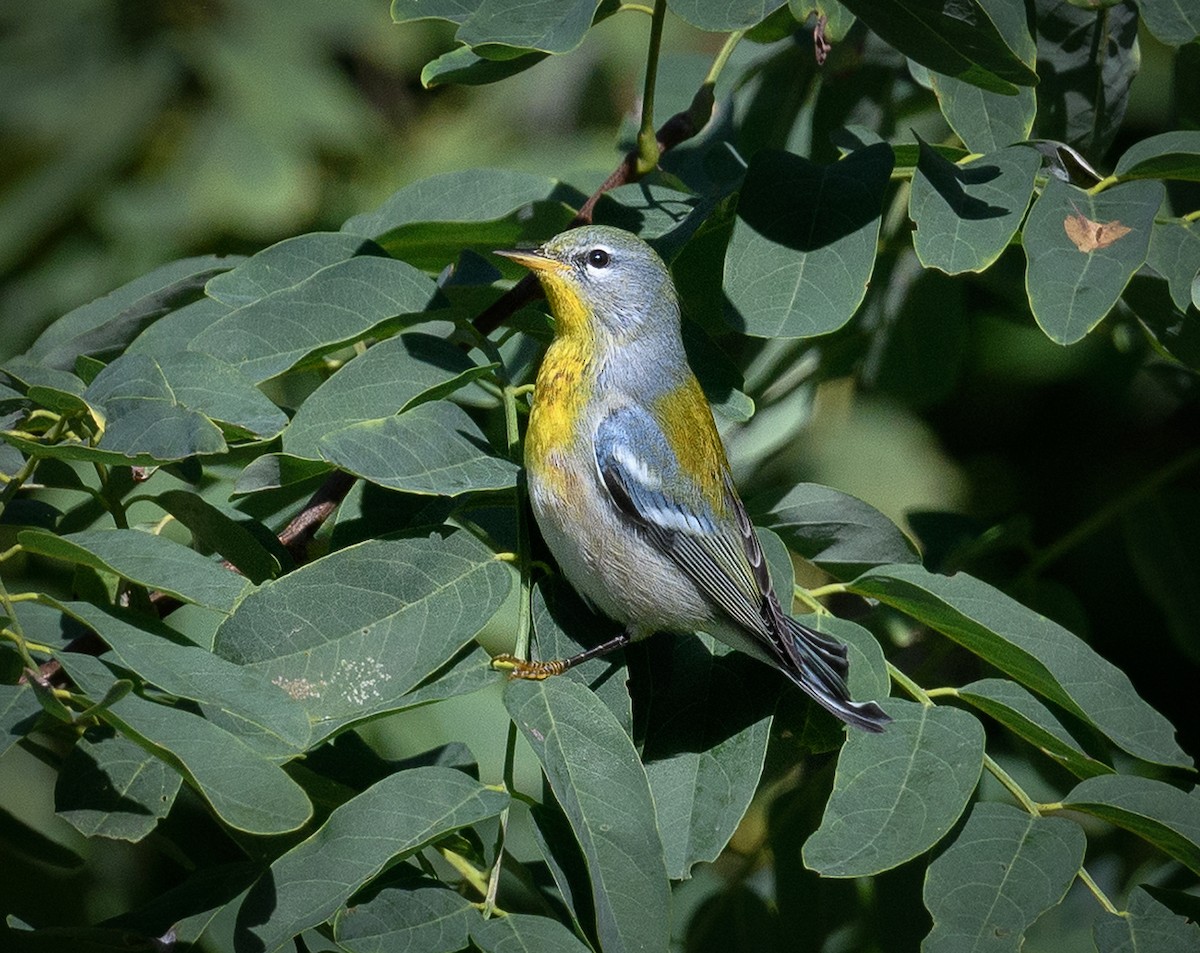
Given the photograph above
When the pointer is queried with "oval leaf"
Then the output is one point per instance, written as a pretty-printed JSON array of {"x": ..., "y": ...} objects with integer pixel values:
[
  {"x": 804, "y": 243},
  {"x": 1038, "y": 653},
  {"x": 1003, "y": 871},
  {"x": 387, "y": 822},
  {"x": 896, "y": 794},
  {"x": 596, "y": 776}
]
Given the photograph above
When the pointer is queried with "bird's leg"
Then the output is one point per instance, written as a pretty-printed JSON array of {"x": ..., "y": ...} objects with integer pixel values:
[{"x": 519, "y": 668}]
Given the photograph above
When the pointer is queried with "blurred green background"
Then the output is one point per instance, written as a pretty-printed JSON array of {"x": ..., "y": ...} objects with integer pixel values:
[{"x": 133, "y": 132}]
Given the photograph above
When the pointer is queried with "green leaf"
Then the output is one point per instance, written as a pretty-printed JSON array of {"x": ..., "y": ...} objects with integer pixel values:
[
  {"x": 987, "y": 121},
  {"x": 596, "y": 776},
  {"x": 286, "y": 264},
  {"x": 246, "y": 791},
  {"x": 1154, "y": 810},
  {"x": 225, "y": 530},
  {"x": 1146, "y": 926},
  {"x": 142, "y": 414},
  {"x": 347, "y": 636},
  {"x": 430, "y": 222},
  {"x": 1087, "y": 59},
  {"x": 279, "y": 471},
  {"x": 173, "y": 332},
  {"x": 110, "y": 787},
  {"x": 524, "y": 933},
  {"x": 1175, "y": 254},
  {"x": 386, "y": 823},
  {"x": 261, "y": 714},
  {"x": 564, "y": 625},
  {"x": 552, "y": 26},
  {"x": 152, "y": 561},
  {"x": 957, "y": 39},
  {"x": 1174, "y": 22},
  {"x": 464, "y": 67},
  {"x": 839, "y": 532},
  {"x": 104, "y": 327},
  {"x": 1173, "y": 333},
  {"x": 896, "y": 794},
  {"x": 1038, "y": 653},
  {"x": 1081, "y": 250},
  {"x": 1169, "y": 155},
  {"x": 333, "y": 307},
  {"x": 393, "y": 376},
  {"x": 1023, "y": 714},
  {"x": 724, "y": 16},
  {"x": 803, "y": 246},
  {"x": 1003, "y": 871},
  {"x": 455, "y": 11},
  {"x": 706, "y": 741},
  {"x": 222, "y": 393},
  {"x": 19, "y": 712},
  {"x": 436, "y": 448},
  {"x": 422, "y": 915},
  {"x": 967, "y": 214}
]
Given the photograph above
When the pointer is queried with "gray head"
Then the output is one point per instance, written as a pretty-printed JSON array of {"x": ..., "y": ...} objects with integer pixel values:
[{"x": 607, "y": 275}]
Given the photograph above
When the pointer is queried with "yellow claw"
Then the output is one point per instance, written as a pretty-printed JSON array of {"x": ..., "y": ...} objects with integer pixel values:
[{"x": 519, "y": 668}]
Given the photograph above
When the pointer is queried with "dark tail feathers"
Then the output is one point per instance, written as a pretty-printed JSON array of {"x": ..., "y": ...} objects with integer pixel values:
[{"x": 821, "y": 670}]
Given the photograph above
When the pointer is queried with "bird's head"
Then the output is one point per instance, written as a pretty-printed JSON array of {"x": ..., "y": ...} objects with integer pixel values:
[{"x": 603, "y": 279}]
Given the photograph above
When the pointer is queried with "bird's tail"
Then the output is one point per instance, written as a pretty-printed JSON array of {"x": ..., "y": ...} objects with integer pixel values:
[{"x": 821, "y": 670}]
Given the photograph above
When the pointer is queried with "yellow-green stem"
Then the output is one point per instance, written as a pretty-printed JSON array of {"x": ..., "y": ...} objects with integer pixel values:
[
  {"x": 913, "y": 689},
  {"x": 647, "y": 139}
]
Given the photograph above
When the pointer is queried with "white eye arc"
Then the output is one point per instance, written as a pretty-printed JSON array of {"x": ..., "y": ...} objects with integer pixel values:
[{"x": 597, "y": 259}]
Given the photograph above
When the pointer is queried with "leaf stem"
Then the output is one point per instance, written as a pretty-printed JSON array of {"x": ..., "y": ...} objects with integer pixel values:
[
  {"x": 1097, "y": 892},
  {"x": 647, "y": 140},
  {"x": 14, "y": 482},
  {"x": 1103, "y": 184},
  {"x": 469, "y": 872},
  {"x": 1011, "y": 784},
  {"x": 831, "y": 589},
  {"x": 636, "y": 8},
  {"x": 915, "y": 690}
]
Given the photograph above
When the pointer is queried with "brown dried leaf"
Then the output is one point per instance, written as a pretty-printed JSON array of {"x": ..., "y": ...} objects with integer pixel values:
[{"x": 1088, "y": 235}]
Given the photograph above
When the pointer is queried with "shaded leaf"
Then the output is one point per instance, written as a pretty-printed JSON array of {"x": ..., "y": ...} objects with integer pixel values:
[
  {"x": 1147, "y": 925},
  {"x": 524, "y": 933},
  {"x": 1081, "y": 250},
  {"x": 1038, "y": 653},
  {"x": 430, "y": 222},
  {"x": 596, "y": 776},
  {"x": 987, "y": 121},
  {"x": 285, "y": 264},
  {"x": 967, "y": 214},
  {"x": 110, "y": 787},
  {"x": 349, "y": 635},
  {"x": 390, "y": 377},
  {"x": 241, "y": 701},
  {"x": 1154, "y": 810},
  {"x": 1003, "y": 871},
  {"x": 803, "y": 246},
  {"x": 723, "y": 16},
  {"x": 333, "y": 307},
  {"x": 1087, "y": 59},
  {"x": 552, "y": 26},
  {"x": 706, "y": 741},
  {"x": 839, "y": 532},
  {"x": 224, "y": 530},
  {"x": 1169, "y": 155},
  {"x": 1022, "y": 713},
  {"x": 436, "y": 448},
  {"x": 896, "y": 794},
  {"x": 1175, "y": 254},
  {"x": 152, "y": 561},
  {"x": 1174, "y": 22},
  {"x": 386, "y": 823},
  {"x": 105, "y": 326},
  {"x": 423, "y": 915},
  {"x": 221, "y": 393},
  {"x": 246, "y": 791},
  {"x": 464, "y": 67},
  {"x": 957, "y": 39},
  {"x": 19, "y": 712}
]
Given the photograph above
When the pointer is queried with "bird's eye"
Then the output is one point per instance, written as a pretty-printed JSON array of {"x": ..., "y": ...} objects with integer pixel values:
[{"x": 598, "y": 258}]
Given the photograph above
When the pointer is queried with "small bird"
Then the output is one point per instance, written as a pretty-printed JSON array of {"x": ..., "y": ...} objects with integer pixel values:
[{"x": 629, "y": 481}]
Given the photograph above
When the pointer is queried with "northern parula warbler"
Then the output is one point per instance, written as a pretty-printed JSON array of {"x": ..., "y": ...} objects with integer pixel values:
[{"x": 629, "y": 482}]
